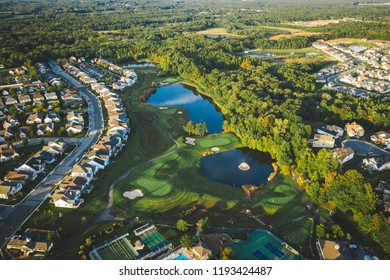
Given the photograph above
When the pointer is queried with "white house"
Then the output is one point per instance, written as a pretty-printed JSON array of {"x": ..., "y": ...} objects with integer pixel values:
[
  {"x": 33, "y": 165},
  {"x": 9, "y": 189},
  {"x": 34, "y": 118},
  {"x": 51, "y": 117},
  {"x": 74, "y": 127},
  {"x": 67, "y": 198},
  {"x": 45, "y": 128},
  {"x": 82, "y": 171},
  {"x": 323, "y": 141},
  {"x": 354, "y": 130},
  {"x": 51, "y": 96},
  {"x": 343, "y": 154},
  {"x": 7, "y": 153}
]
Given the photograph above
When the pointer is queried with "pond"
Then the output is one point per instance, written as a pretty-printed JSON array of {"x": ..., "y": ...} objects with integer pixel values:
[
  {"x": 199, "y": 108},
  {"x": 225, "y": 168},
  {"x": 138, "y": 65}
]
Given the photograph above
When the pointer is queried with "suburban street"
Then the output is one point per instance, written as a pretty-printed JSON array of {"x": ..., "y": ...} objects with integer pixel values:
[{"x": 12, "y": 218}]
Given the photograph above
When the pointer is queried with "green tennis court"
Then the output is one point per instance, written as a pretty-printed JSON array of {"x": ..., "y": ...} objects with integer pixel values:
[
  {"x": 262, "y": 245},
  {"x": 152, "y": 239},
  {"x": 119, "y": 249}
]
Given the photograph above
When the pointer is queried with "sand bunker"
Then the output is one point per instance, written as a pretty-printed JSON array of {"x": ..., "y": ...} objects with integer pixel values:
[
  {"x": 215, "y": 149},
  {"x": 190, "y": 141},
  {"x": 133, "y": 194}
]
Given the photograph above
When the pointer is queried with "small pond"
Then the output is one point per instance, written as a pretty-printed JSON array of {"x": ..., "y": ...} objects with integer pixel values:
[{"x": 224, "y": 167}]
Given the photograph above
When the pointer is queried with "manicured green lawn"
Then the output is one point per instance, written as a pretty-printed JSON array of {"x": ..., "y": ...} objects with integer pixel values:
[
  {"x": 278, "y": 201},
  {"x": 174, "y": 183},
  {"x": 297, "y": 235},
  {"x": 214, "y": 142}
]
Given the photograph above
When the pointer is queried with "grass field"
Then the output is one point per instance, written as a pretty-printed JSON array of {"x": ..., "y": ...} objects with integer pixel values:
[
  {"x": 217, "y": 32},
  {"x": 353, "y": 41},
  {"x": 297, "y": 235},
  {"x": 278, "y": 202},
  {"x": 288, "y": 32}
]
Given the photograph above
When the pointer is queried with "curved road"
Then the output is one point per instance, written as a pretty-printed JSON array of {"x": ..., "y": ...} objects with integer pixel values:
[
  {"x": 106, "y": 216},
  {"x": 12, "y": 218}
]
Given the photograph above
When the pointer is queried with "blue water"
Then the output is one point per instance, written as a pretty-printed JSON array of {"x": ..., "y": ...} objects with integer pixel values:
[
  {"x": 180, "y": 257},
  {"x": 223, "y": 167},
  {"x": 199, "y": 108}
]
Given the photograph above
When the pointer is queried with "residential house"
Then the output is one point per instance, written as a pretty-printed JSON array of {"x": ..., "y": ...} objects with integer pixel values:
[
  {"x": 51, "y": 96},
  {"x": 10, "y": 100},
  {"x": 118, "y": 133},
  {"x": 325, "y": 131},
  {"x": 71, "y": 97},
  {"x": 343, "y": 154},
  {"x": 7, "y": 153},
  {"x": 46, "y": 156},
  {"x": 323, "y": 141},
  {"x": 57, "y": 147},
  {"x": 23, "y": 132},
  {"x": 83, "y": 171},
  {"x": 37, "y": 97},
  {"x": 6, "y": 124},
  {"x": 96, "y": 162},
  {"x": 118, "y": 86},
  {"x": 103, "y": 157},
  {"x": 2, "y": 137},
  {"x": 74, "y": 128},
  {"x": 24, "y": 98},
  {"x": 200, "y": 252},
  {"x": 67, "y": 198},
  {"x": 17, "y": 177},
  {"x": 80, "y": 183},
  {"x": 45, "y": 129},
  {"x": 337, "y": 129},
  {"x": 333, "y": 250},
  {"x": 34, "y": 166},
  {"x": 381, "y": 137},
  {"x": 113, "y": 141},
  {"x": 31, "y": 241},
  {"x": 376, "y": 163},
  {"x": 34, "y": 118},
  {"x": 51, "y": 117},
  {"x": 354, "y": 130},
  {"x": 8, "y": 133},
  {"x": 75, "y": 116},
  {"x": 1, "y": 103},
  {"x": 9, "y": 189}
]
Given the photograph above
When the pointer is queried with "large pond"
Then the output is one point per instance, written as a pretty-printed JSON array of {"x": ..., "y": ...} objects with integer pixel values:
[
  {"x": 138, "y": 65},
  {"x": 199, "y": 108},
  {"x": 224, "y": 167}
]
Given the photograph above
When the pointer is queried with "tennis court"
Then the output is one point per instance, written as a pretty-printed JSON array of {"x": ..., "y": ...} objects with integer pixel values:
[
  {"x": 119, "y": 249},
  {"x": 153, "y": 239},
  {"x": 262, "y": 245}
]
